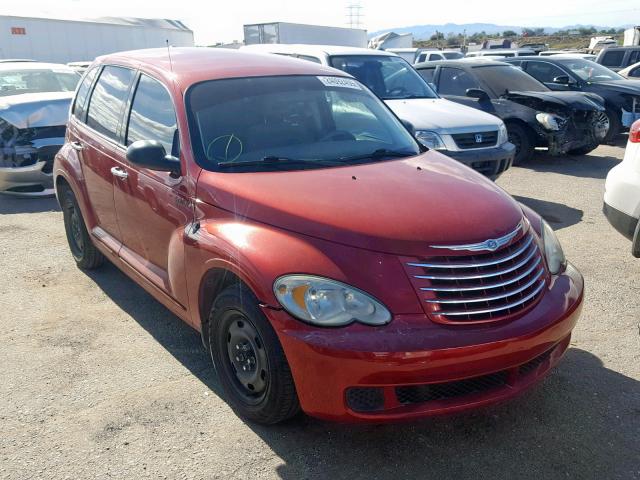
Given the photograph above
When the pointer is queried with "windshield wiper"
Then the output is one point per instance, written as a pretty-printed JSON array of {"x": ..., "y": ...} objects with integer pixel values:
[
  {"x": 380, "y": 153},
  {"x": 275, "y": 160}
]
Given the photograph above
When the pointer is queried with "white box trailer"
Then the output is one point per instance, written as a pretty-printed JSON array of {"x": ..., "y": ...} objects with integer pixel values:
[
  {"x": 283, "y": 32},
  {"x": 63, "y": 41},
  {"x": 631, "y": 37}
]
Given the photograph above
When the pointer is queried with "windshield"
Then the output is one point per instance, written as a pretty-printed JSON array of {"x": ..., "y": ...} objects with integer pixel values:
[
  {"x": 291, "y": 122},
  {"x": 388, "y": 77},
  {"x": 13, "y": 82},
  {"x": 589, "y": 71},
  {"x": 506, "y": 78}
]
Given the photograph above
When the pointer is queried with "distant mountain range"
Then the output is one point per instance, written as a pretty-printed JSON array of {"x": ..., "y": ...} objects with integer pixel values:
[{"x": 423, "y": 32}]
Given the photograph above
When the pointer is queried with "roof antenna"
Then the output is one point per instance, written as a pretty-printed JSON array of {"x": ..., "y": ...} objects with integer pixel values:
[{"x": 169, "y": 53}]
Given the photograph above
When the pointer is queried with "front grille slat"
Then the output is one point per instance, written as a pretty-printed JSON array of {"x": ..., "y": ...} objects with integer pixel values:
[
  {"x": 481, "y": 286},
  {"x": 475, "y": 139}
]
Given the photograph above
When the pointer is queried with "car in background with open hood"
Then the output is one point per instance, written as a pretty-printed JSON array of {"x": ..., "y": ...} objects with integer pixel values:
[
  {"x": 564, "y": 122},
  {"x": 34, "y": 106}
]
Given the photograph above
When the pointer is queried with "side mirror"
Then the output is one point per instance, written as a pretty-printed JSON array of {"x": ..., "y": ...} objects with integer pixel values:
[
  {"x": 477, "y": 93},
  {"x": 409, "y": 126},
  {"x": 151, "y": 154},
  {"x": 562, "y": 80}
]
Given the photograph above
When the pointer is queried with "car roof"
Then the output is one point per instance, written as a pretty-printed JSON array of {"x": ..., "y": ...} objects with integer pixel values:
[
  {"x": 621, "y": 47},
  {"x": 185, "y": 66},
  {"x": 28, "y": 65},
  {"x": 304, "y": 49},
  {"x": 469, "y": 62},
  {"x": 502, "y": 50}
]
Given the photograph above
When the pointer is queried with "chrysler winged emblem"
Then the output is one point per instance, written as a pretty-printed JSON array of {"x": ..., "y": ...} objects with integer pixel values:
[{"x": 490, "y": 245}]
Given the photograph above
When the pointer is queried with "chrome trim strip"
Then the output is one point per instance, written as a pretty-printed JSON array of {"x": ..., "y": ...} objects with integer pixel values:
[
  {"x": 498, "y": 309},
  {"x": 484, "y": 287},
  {"x": 521, "y": 264},
  {"x": 495, "y": 297},
  {"x": 475, "y": 265},
  {"x": 491, "y": 245}
]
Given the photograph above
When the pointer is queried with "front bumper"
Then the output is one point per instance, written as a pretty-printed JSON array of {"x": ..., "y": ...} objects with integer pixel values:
[
  {"x": 26, "y": 181},
  {"x": 491, "y": 162},
  {"x": 399, "y": 361},
  {"x": 623, "y": 223}
]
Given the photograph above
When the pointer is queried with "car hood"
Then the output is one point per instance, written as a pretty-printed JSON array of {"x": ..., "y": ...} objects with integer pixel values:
[
  {"x": 631, "y": 87},
  {"x": 31, "y": 110},
  {"x": 443, "y": 116},
  {"x": 573, "y": 100},
  {"x": 390, "y": 206}
]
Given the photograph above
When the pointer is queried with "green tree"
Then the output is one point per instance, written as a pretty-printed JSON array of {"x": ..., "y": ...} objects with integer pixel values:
[{"x": 509, "y": 33}]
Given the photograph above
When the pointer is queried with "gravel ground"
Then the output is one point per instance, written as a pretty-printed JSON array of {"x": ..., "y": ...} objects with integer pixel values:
[{"x": 100, "y": 381}]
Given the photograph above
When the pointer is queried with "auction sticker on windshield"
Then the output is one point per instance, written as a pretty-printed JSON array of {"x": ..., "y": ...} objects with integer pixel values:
[{"x": 340, "y": 82}]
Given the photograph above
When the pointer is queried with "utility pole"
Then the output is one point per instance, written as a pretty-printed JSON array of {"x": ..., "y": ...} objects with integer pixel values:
[{"x": 354, "y": 14}]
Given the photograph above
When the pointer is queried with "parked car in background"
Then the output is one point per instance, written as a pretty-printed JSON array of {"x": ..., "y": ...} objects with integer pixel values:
[
  {"x": 501, "y": 52},
  {"x": 564, "y": 122},
  {"x": 631, "y": 72},
  {"x": 79, "y": 67},
  {"x": 617, "y": 58},
  {"x": 434, "y": 55},
  {"x": 536, "y": 47},
  {"x": 549, "y": 53},
  {"x": 622, "y": 192},
  {"x": 329, "y": 260},
  {"x": 34, "y": 106},
  {"x": 621, "y": 96},
  {"x": 473, "y": 138}
]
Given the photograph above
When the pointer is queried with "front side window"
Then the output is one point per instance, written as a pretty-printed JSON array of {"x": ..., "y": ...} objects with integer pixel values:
[
  {"x": 427, "y": 74},
  {"x": 544, "y": 72},
  {"x": 152, "y": 115},
  {"x": 388, "y": 77},
  {"x": 291, "y": 122},
  {"x": 613, "y": 58},
  {"x": 507, "y": 78},
  {"x": 589, "y": 71},
  {"x": 14, "y": 82},
  {"x": 454, "y": 81},
  {"x": 79, "y": 104},
  {"x": 108, "y": 99}
]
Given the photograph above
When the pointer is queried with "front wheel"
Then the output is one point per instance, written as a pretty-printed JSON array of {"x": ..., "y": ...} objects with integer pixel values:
[
  {"x": 615, "y": 126},
  {"x": 249, "y": 359},
  {"x": 84, "y": 252},
  {"x": 520, "y": 137}
]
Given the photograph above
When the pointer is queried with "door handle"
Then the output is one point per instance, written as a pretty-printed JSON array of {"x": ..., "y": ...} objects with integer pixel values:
[
  {"x": 76, "y": 145},
  {"x": 118, "y": 172}
]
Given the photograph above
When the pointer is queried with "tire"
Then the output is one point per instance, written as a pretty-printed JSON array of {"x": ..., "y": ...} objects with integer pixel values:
[
  {"x": 615, "y": 126},
  {"x": 84, "y": 252},
  {"x": 521, "y": 138},
  {"x": 635, "y": 243},
  {"x": 240, "y": 337},
  {"x": 583, "y": 150}
]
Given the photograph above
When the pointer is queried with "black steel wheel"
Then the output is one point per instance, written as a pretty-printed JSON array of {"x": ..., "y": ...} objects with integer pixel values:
[
  {"x": 249, "y": 359},
  {"x": 84, "y": 252}
]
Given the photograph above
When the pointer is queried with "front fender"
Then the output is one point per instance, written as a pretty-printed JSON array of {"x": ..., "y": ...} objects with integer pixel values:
[
  {"x": 67, "y": 166},
  {"x": 258, "y": 254}
]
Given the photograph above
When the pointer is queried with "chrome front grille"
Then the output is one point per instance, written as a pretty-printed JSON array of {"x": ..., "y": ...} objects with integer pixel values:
[{"x": 482, "y": 287}]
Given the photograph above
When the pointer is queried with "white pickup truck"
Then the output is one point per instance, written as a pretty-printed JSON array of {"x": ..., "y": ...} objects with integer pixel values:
[{"x": 470, "y": 136}]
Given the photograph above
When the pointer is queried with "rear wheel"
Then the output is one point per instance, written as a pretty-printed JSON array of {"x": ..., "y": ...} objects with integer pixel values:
[
  {"x": 521, "y": 138},
  {"x": 84, "y": 252},
  {"x": 249, "y": 359},
  {"x": 615, "y": 126}
]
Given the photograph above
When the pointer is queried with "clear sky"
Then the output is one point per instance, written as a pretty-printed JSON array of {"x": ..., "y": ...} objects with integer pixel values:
[{"x": 214, "y": 20}]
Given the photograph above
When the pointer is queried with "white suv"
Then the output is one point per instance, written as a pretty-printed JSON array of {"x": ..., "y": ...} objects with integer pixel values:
[
  {"x": 475, "y": 138},
  {"x": 622, "y": 192}
]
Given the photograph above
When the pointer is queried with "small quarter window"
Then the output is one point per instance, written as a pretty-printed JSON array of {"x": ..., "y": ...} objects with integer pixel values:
[{"x": 79, "y": 104}]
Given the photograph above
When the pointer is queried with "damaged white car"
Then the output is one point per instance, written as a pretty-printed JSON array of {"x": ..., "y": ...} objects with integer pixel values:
[{"x": 34, "y": 106}]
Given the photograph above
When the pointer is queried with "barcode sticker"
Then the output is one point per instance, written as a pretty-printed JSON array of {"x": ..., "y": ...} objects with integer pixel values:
[{"x": 340, "y": 82}]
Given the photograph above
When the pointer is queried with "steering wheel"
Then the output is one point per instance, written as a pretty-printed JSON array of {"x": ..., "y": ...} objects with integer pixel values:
[{"x": 337, "y": 135}]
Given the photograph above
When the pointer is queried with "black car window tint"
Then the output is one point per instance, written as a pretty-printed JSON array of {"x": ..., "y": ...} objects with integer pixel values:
[
  {"x": 544, "y": 72},
  {"x": 108, "y": 99},
  {"x": 454, "y": 81},
  {"x": 613, "y": 59}
]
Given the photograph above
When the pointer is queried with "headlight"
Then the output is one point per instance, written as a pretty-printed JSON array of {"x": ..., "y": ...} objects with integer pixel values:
[
  {"x": 503, "y": 136},
  {"x": 430, "y": 139},
  {"x": 549, "y": 121},
  {"x": 328, "y": 303},
  {"x": 552, "y": 249}
]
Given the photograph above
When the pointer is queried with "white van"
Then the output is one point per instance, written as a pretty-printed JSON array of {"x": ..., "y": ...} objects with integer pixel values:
[{"x": 470, "y": 136}]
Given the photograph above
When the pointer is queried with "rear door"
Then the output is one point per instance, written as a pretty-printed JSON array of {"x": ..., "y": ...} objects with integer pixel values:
[
  {"x": 99, "y": 140},
  {"x": 153, "y": 208}
]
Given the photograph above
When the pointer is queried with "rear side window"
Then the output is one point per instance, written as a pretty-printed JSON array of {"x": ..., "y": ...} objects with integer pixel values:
[
  {"x": 108, "y": 99},
  {"x": 152, "y": 115},
  {"x": 454, "y": 81},
  {"x": 613, "y": 59},
  {"x": 79, "y": 105}
]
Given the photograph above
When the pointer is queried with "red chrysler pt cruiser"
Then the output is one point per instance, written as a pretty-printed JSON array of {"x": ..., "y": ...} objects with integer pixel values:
[{"x": 331, "y": 262}]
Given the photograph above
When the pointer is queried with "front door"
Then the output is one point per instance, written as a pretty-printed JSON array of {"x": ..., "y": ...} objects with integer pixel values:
[{"x": 153, "y": 208}]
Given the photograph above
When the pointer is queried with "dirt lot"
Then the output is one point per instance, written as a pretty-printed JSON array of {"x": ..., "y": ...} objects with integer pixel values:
[{"x": 100, "y": 381}]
